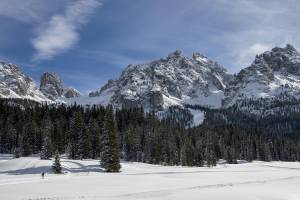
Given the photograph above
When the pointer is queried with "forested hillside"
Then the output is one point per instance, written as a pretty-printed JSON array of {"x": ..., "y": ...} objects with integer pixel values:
[{"x": 27, "y": 128}]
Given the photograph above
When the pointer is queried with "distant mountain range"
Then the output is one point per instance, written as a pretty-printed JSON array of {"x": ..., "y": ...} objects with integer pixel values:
[{"x": 175, "y": 80}]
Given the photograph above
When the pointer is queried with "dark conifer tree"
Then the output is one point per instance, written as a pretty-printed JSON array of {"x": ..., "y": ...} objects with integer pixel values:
[
  {"x": 25, "y": 143},
  {"x": 76, "y": 131},
  {"x": 95, "y": 134},
  {"x": 47, "y": 148},
  {"x": 110, "y": 159},
  {"x": 56, "y": 167},
  {"x": 85, "y": 145}
]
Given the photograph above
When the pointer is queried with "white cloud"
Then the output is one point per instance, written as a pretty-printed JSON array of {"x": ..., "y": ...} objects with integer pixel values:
[
  {"x": 256, "y": 26},
  {"x": 61, "y": 32},
  {"x": 29, "y": 11},
  {"x": 246, "y": 56}
]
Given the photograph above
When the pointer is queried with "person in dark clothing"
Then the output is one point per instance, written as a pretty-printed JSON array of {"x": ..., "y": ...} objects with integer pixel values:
[{"x": 43, "y": 175}]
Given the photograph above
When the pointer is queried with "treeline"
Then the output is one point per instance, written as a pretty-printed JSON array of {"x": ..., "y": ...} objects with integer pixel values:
[
  {"x": 101, "y": 133},
  {"x": 272, "y": 115}
]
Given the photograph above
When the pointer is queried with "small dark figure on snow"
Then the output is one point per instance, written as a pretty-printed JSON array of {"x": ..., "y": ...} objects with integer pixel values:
[{"x": 43, "y": 175}]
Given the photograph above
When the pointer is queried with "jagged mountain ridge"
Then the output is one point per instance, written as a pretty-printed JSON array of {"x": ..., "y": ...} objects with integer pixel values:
[
  {"x": 15, "y": 84},
  {"x": 173, "y": 80},
  {"x": 176, "y": 80},
  {"x": 52, "y": 87},
  {"x": 274, "y": 75}
]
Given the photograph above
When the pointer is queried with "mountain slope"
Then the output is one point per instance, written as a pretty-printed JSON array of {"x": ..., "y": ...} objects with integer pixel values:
[
  {"x": 174, "y": 80},
  {"x": 191, "y": 85},
  {"x": 273, "y": 74},
  {"x": 15, "y": 84},
  {"x": 52, "y": 87}
]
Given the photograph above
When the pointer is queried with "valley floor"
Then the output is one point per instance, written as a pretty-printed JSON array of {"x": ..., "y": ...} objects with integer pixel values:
[{"x": 21, "y": 179}]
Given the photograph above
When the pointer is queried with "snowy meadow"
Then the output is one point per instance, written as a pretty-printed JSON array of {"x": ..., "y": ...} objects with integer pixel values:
[{"x": 20, "y": 178}]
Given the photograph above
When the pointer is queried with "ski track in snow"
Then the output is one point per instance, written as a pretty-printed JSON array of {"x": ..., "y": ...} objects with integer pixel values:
[{"x": 160, "y": 193}]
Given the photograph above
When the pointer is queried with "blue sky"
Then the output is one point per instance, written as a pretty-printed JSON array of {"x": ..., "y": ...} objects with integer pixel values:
[{"x": 87, "y": 42}]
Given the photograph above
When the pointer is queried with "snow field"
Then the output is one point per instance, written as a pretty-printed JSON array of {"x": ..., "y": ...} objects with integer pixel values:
[{"x": 83, "y": 179}]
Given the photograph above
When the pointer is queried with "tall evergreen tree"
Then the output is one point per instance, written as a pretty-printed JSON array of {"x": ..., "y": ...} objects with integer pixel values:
[
  {"x": 47, "y": 148},
  {"x": 95, "y": 134},
  {"x": 56, "y": 167},
  {"x": 85, "y": 145},
  {"x": 25, "y": 143},
  {"x": 110, "y": 159},
  {"x": 76, "y": 131},
  {"x": 58, "y": 140}
]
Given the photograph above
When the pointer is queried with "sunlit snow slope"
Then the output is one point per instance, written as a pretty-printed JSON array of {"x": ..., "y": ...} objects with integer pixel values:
[{"x": 21, "y": 179}]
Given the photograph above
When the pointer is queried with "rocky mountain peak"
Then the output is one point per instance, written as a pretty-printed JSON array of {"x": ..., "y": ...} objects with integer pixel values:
[
  {"x": 280, "y": 59},
  {"x": 71, "y": 92},
  {"x": 51, "y": 85},
  {"x": 200, "y": 58},
  {"x": 288, "y": 49},
  {"x": 272, "y": 74},
  {"x": 175, "y": 54},
  {"x": 15, "y": 84},
  {"x": 173, "y": 80}
]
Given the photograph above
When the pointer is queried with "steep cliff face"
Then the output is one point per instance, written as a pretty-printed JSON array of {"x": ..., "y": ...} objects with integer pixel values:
[
  {"x": 71, "y": 93},
  {"x": 273, "y": 74},
  {"x": 173, "y": 80},
  {"x": 51, "y": 85},
  {"x": 15, "y": 84},
  {"x": 176, "y": 80}
]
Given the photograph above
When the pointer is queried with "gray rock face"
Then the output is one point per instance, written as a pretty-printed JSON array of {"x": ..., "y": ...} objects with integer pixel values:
[
  {"x": 51, "y": 85},
  {"x": 15, "y": 84},
  {"x": 173, "y": 80},
  {"x": 156, "y": 100},
  {"x": 271, "y": 75},
  {"x": 71, "y": 93},
  {"x": 109, "y": 84}
]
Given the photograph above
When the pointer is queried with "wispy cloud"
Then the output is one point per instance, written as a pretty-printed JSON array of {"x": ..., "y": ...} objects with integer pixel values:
[
  {"x": 230, "y": 32},
  {"x": 255, "y": 26},
  {"x": 61, "y": 32},
  {"x": 29, "y": 11}
]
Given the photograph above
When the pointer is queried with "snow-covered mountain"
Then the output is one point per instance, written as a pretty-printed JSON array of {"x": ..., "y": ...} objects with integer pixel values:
[
  {"x": 52, "y": 87},
  {"x": 274, "y": 74},
  {"x": 15, "y": 84},
  {"x": 173, "y": 80},
  {"x": 71, "y": 92}
]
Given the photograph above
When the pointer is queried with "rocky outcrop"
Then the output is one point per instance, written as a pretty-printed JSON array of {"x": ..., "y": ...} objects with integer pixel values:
[
  {"x": 110, "y": 84},
  {"x": 273, "y": 74},
  {"x": 173, "y": 80},
  {"x": 71, "y": 93},
  {"x": 156, "y": 100},
  {"x": 53, "y": 88},
  {"x": 15, "y": 84},
  {"x": 51, "y": 85}
]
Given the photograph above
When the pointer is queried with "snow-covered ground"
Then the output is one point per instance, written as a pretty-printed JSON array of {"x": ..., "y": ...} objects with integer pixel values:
[{"x": 20, "y": 179}]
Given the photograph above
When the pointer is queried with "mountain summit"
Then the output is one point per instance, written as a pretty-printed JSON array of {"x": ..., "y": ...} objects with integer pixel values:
[
  {"x": 273, "y": 74},
  {"x": 15, "y": 84},
  {"x": 172, "y": 80}
]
